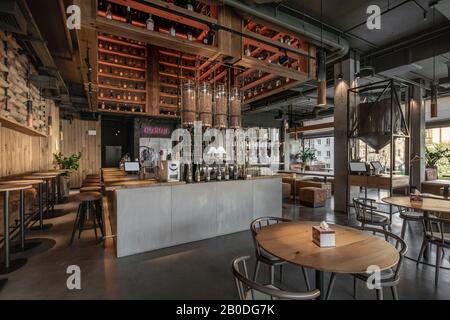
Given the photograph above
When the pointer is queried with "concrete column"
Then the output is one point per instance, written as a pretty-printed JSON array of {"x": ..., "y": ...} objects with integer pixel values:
[
  {"x": 348, "y": 68},
  {"x": 417, "y": 136}
]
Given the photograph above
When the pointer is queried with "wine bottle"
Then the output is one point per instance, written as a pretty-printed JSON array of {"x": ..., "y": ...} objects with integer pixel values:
[
  {"x": 227, "y": 173},
  {"x": 207, "y": 174},
  {"x": 197, "y": 173},
  {"x": 219, "y": 173}
]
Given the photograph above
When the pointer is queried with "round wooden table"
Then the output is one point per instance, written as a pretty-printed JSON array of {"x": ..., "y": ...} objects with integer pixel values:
[
  {"x": 437, "y": 206},
  {"x": 11, "y": 265},
  {"x": 24, "y": 245},
  {"x": 355, "y": 250}
]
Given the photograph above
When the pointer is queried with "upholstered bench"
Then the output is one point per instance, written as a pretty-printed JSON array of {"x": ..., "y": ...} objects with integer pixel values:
[{"x": 312, "y": 196}]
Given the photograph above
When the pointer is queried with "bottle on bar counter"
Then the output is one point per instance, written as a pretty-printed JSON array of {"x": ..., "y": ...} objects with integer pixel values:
[
  {"x": 219, "y": 173},
  {"x": 207, "y": 174},
  {"x": 227, "y": 173},
  {"x": 189, "y": 174},
  {"x": 235, "y": 172},
  {"x": 197, "y": 173}
]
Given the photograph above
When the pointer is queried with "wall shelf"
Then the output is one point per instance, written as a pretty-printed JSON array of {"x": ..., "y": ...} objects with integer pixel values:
[
  {"x": 14, "y": 125},
  {"x": 116, "y": 65}
]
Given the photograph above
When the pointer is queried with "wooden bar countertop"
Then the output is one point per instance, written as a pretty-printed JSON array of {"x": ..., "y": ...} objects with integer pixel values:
[{"x": 133, "y": 181}]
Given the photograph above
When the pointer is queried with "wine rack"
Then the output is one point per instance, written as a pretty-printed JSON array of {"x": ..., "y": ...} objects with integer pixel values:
[
  {"x": 174, "y": 68},
  {"x": 122, "y": 75}
]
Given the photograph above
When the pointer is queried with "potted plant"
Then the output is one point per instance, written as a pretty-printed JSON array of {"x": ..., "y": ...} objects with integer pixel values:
[
  {"x": 432, "y": 156},
  {"x": 305, "y": 157},
  {"x": 66, "y": 163}
]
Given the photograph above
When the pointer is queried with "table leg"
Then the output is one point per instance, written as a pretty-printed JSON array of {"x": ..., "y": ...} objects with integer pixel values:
[
  {"x": 58, "y": 179},
  {"x": 446, "y": 191},
  {"x": 320, "y": 284},
  {"x": 41, "y": 226},
  {"x": 23, "y": 245},
  {"x": 9, "y": 265},
  {"x": 53, "y": 195},
  {"x": 2, "y": 283}
]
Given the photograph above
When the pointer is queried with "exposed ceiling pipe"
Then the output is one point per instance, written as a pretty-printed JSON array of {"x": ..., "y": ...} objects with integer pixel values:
[{"x": 332, "y": 41}]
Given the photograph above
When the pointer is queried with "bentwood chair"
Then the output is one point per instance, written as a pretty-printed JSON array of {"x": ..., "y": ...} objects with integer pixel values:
[
  {"x": 434, "y": 233},
  {"x": 388, "y": 278},
  {"x": 265, "y": 257},
  {"x": 368, "y": 214},
  {"x": 251, "y": 290}
]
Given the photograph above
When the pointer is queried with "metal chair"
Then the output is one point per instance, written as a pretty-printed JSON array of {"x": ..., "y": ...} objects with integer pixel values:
[
  {"x": 407, "y": 216},
  {"x": 251, "y": 290},
  {"x": 265, "y": 257},
  {"x": 367, "y": 213},
  {"x": 434, "y": 233},
  {"x": 388, "y": 278}
]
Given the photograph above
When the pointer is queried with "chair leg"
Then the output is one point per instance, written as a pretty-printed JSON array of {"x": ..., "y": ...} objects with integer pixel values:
[
  {"x": 379, "y": 294},
  {"x": 255, "y": 274},
  {"x": 77, "y": 217},
  {"x": 355, "y": 288},
  {"x": 330, "y": 286},
  {"x": 272, "y": 274},
  {"x": 394, "y": 292},
  {"x": 385, "y": 236},
  {"x": 438, "y": 265},
  {"x": 305, "y": 275},
  {"x": 94, "y": 214},
  {"x": 422, "y": 249},
  {"x": 402, "y": 235}
]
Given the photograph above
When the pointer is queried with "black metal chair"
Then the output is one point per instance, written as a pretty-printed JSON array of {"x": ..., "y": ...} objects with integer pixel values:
[
  {"x": 434, "y": 233},
  {"x": 251, "y": 290},
  {"x": 265, "y": 257},
  {"x": 388, "y": 278},
  {"x": 367, "y": 213}
]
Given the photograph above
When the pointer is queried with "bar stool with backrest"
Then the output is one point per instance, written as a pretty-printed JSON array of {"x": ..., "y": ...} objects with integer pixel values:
[
  {"x": 89, "y": 208},
  {"x": 388, "y": 278},
  {"x": 434, "y": 233},
  {"x": 265, "y": 257},
  {"x": 251, "y": 290}
]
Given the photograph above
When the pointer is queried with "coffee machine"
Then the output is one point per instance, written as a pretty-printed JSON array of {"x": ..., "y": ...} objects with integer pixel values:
[{"x": 168, "y": 170}]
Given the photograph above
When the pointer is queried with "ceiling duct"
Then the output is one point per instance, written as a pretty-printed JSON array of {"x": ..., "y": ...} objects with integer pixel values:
[
  {"x": 332, "y": 41},
  {"x": 11, "y": 17}
]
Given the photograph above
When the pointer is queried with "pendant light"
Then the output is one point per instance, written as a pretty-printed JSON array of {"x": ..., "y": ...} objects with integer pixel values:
[
  {"x": 434, "y": 85},
  {"x": 321, "y": 67}
]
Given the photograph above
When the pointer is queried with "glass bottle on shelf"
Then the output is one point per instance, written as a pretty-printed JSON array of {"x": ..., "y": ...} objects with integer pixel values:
[
  {"x": 150, "y": 23},
  {"x": 109, "y": 14},
  {"x": 128, "y": 16},
  {"x": 172, "y": 31},
  {"x": 189, "y": 5}
]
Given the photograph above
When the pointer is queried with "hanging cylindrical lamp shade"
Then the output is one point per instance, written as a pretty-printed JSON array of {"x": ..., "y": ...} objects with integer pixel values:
[
  {"x": 30, "y": 113},
  {"x": 188, "y": 103},
  {"x": 321, "y": 78},
  {"x": 221, "y": 108},
  {"x": 49, "y": 125},
  {"x": 235, "y": 108},
  {"x": 433, "y": 104},
  {"x": 205, "y": 104}
]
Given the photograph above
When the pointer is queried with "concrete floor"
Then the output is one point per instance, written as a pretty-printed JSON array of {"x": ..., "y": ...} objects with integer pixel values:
[{"x": 199, "y": 270}]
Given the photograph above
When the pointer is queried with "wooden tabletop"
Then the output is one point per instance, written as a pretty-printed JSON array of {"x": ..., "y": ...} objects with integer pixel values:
[
  {"x": 47, "y": 173},
  {"x": 44, "y": 175},
  {"x": 14, "y": 187},
  {"x": 38, "y": 178},
  {"x": 428, "y": 204},
  {"x": 354, "y": 252},
  {"x": 21, "y": 182}
]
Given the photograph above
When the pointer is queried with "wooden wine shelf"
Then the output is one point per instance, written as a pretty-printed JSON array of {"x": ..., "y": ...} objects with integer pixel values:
[
  {"x": 174, "y": 65},
  {"x": 118, "y": 53},
  {"x": 110, "y": 75},
  {"x": 143, "y": 114},
  {"x": 168, "y": 95},
  {"x": 168, "y": 85},
  {"x": 115, "y": 65},
  {"x": 171, "y": 75},
  {"x": 141, "y": 103},
  {"x": 14, "y": 125},
  {"x": 177, "y": 55},
  {"x": 121, "y": 42},
  {"x": 101, "y": 86},
  {"x": 169, "y": 107}
]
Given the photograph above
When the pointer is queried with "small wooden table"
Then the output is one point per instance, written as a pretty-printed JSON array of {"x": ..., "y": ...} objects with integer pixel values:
[
  {"x": 354, "y": 252},
  {"x": 10, "y": 265},
  {"x": 438, "y": 206},
  {"x": 24, "y": 245}
]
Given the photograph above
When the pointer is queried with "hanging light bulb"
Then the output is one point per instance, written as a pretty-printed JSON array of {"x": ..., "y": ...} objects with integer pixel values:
[
  {"x": 433, "y": 104},
  {"x": 49, "y": 125},
  {"x": 30, "y": 113}
]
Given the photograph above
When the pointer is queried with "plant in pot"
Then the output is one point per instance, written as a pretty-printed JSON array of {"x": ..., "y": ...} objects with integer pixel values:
[
  {"x": 433, "y": 154},
  {"x": 305, "y": 157},
  {"x": 66, "y": 163}
]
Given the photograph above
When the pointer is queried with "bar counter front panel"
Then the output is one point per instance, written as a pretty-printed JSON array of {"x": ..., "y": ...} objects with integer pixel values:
[{"x": 154, "y": 217}]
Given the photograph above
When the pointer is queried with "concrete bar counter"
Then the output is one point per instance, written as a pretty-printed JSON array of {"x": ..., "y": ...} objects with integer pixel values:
[{"x": 149, "y": 215}]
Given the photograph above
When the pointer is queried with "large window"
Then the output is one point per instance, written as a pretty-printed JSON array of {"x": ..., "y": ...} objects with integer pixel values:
[{"x": 440, "y": 137}]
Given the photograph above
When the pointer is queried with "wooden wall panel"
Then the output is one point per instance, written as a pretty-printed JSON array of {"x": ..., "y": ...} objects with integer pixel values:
[
  {"x": 76, "y": 139},
  {"x": 21, "y": 153}
]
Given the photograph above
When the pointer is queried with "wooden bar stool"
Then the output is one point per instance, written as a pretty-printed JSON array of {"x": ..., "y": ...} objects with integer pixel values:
[
  {"x": 24, "y": 245},
  {"x": 10, "y": 265},
  {"x": 90, "y": 208},
  {"x": 91, "y": 188}
]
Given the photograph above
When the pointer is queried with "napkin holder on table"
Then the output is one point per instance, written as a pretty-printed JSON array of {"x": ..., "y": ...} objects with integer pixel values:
[{"x": 324, "y": 238}]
